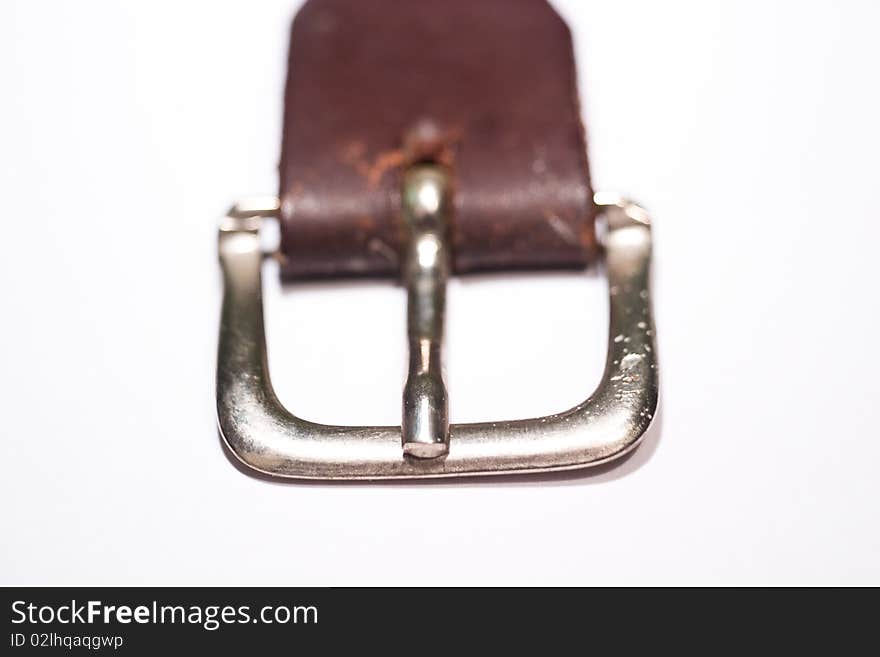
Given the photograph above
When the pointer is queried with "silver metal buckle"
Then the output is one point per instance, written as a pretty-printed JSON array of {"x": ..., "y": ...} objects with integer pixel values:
[{"x": 264, "y": 436}]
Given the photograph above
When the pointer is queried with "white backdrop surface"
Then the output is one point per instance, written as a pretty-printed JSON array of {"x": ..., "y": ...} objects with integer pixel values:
[{"x": 749, "y": 129}]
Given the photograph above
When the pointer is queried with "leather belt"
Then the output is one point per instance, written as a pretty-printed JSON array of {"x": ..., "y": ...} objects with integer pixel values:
[
  {"x": 423, "y": 139},
  {"x": 486, "y": 88}
]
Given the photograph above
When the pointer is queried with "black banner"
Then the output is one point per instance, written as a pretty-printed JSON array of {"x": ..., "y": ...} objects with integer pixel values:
[{"x": 255, "y": 621}]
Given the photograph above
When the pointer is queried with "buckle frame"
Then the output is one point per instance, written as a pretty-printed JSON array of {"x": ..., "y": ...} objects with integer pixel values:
[{"x": 266, "y": 437}]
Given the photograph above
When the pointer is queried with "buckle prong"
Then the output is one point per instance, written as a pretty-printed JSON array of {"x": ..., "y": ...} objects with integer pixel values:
[{"x": 426, "y": 264}]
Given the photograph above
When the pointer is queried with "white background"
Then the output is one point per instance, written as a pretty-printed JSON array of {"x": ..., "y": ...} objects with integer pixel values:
[{"x": 750, "y": 129}]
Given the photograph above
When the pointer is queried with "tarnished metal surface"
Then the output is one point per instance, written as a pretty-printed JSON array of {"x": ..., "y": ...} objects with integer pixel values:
[{"x": 610, "y": 423}]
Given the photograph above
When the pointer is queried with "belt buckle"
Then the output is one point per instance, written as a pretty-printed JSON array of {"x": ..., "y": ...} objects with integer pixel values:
[{"x": 267, "y": 438}]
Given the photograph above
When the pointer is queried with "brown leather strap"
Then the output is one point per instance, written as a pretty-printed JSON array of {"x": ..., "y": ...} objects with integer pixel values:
[{"x": 486, "y": 87}]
